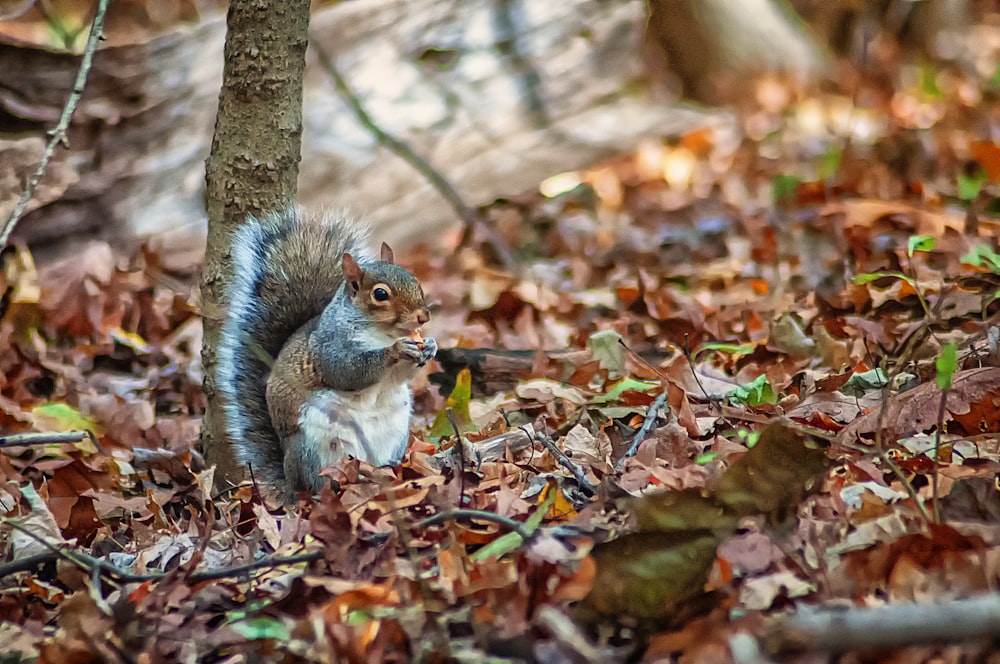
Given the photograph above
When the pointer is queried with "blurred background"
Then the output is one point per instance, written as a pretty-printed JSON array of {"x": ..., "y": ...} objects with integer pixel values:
[{"x": 724, "y": 103}]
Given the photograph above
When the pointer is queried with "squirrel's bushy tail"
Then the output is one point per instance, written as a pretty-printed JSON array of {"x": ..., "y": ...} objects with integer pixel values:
[{"x": 286, "y": 268}]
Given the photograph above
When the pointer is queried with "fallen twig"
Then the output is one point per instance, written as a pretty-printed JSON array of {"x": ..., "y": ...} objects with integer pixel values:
[
  {"x": 27, "y": 563},
  {"x": 843, "y": 630},
  {"x": 491, "y": 449},
  {"x": 452, "y": 515},
  {"x": 58, "y": 135},
  {"x": 567, "y": 463},
  {"x": 96, "y": 565},
  {"x": 460, "y": 451},
  {"x": 26, "y": 439},
  {"x": 643, "y": 431}
]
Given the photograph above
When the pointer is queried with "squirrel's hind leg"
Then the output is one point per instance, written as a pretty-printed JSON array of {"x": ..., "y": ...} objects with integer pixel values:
[{"x": 302, "y": 465}]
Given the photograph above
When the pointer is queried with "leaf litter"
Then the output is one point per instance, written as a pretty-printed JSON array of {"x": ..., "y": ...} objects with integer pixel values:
[{"x": 767, "y": 341}]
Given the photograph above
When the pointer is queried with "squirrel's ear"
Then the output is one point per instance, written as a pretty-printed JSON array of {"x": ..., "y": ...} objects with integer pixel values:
[
  {"x": 387, "y": 253},
  {"x": 352, "y": 273}
]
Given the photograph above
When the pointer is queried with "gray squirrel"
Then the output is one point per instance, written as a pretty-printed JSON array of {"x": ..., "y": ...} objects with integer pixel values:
[{"x": 318, "y": 347}]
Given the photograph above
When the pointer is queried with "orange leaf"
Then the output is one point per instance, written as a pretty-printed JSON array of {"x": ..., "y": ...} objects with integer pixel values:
[
  {"x": 699, "y": 142},
  {"x": 987, "y": 153},
  {"x": 577, "y": 586},
  {"x": 139, "y": 594}
]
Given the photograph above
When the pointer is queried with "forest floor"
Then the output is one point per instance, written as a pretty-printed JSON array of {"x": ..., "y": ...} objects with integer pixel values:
[{"x": 720, "y": 380}]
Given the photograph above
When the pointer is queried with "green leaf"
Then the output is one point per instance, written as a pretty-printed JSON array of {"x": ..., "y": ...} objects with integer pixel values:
[
  {"x": 63, "y": 417},
  {"x": 262, "y": 628},
  {"x": 947, "y": 365},
  {"x": 859, "y": 383},
  {"x": 358, "y": 617},
  {"x": 623, "y": 385},
  {"x": 829, "y": 162},
  {"x": 920, "y": 243},
  {"x": 785, "y": 187},
  {"x": 705, "y": 457},
  {"x": 734, "y": 349},
  {"x": 458, "y": 401},
  {"x": 970, "y": 185},
  {"x": 129, "y": 340},
  {"x": 983, "y": 256},
  {"x": 608, "y": 351},
  {"x": 512, "y": 541},
  {"x": 755, "y": 393},
  {"x": 868, "y": 277},
  {"x": 928, "y": 82}
]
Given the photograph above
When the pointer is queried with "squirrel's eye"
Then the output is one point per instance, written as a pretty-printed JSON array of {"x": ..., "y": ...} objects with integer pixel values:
[{"x": 380, "y": 295}]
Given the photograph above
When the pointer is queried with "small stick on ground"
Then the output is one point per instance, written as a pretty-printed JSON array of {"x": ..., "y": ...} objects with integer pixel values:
[
  {"x": 460, "y": 444},
  {"x": 91, "y": 563},
  {"x": 454, "y": 515},
  {"x": 58, "y": 135},
  {"x": 643, "y": 431},
  {"x": 26, "y": 439},
  {"x": 844, "y": 630},
  {"x": 567, "y": 463}
]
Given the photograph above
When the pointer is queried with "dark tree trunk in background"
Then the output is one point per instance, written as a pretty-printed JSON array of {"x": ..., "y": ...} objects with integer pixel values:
[{"x": 254, "y": 163}]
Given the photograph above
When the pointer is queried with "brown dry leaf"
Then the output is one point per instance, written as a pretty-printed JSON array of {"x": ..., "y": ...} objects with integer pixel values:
[
  {"x": 68, "y": 483},
  {"x": 544, "y": 390},
  {"x": 19, "y": 277},
  {"x": 576, "y": 586},
  {"x": 916, "y": 221},
  {"x": 680, "y": 408},
  {"x": 916, "y": 410},
  {"x": 663, "y": 475},
  {"x": 708, "y": 381},
  {"x": 678, "y": 511},
  {"x": 124, "y": 421},
  {"x": 405, "y": 495},
  {"x": 84, "y": 632},
  {"x": 20, "y": 641},
  {"x": 38, "y": 530},
  {"x": 83, "y": 520},
  {"x": 750, "y": 553},
  {"x": 268, "y": 526},
  {"x": 646, "y": 576},
  {"x": 584, "y": 447},
  {"x": 919, "y": 567},
  {"x": 671, "y": 444},
  {"x": 671, "y": 248},
  {"x": 973, "y": 499},
  {"x": 759, "y": 594},
  {"x": 72, "y": 292},
  {"x": 834, "y": 407},
  {"x": 774, "y": 476}
]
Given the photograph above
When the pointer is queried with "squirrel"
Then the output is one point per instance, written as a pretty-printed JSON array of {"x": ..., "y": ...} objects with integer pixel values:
[{"x": 318, "y": 347}]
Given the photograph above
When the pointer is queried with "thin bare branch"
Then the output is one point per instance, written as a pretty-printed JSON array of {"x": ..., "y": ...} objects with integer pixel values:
[{"x": 58, "y": 135}]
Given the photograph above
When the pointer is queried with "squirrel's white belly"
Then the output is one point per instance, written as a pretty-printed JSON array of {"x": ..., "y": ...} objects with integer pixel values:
[{"x": 372, "y": 425}]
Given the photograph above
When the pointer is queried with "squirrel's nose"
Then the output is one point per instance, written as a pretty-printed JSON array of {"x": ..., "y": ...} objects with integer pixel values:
[{"x": 423, "y": 316}]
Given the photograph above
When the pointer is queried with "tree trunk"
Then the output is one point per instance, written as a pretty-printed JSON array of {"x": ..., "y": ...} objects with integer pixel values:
[
  {"x": 716, "y": 47},
  {"x": 254, "y": 163}
]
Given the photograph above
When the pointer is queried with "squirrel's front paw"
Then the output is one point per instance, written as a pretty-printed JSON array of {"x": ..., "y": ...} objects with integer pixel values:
[
  {"x": 409, "y": 349},
  {"x": 418, "y": 352},
  {"x": 430, "y": 349}
]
